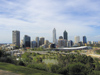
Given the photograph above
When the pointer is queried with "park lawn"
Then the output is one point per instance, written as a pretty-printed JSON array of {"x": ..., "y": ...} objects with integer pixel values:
[
  {"x": 50, "y": 61},
  {"x": 23, "y": 70}
]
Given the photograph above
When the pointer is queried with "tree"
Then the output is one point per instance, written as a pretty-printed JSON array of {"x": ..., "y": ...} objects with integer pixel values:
[
  {"x": 77, "y": 69},
  {"x": 39, "y": 59},
  {"x": 21, "y": 63},
  {"x": 63, "y": 71},
  {"x": 2, "y": 53},
  {"x": 54, "y": 68},
  {"x": 26, "y": 58}
]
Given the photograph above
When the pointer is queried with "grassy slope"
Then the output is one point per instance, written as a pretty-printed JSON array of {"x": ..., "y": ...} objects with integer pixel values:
[{"x": 23, "y": 70}]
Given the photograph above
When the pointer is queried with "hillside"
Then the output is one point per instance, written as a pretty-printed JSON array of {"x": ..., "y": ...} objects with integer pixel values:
[{"x": 23, "y": 70}]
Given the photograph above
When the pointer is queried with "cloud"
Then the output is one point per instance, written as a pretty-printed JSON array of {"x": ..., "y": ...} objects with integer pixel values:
[{"x": 38, "y": 18}]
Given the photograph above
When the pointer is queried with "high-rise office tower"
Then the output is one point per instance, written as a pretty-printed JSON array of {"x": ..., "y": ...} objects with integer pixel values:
[
  {"x": 84, "y": 39},
  {"x": 26, "y": 41},
  {"x": 65, "y": 35},
  {"x": 33, "y": 44},
  {"x": 42, "y": 40},
  {"x": 46, "y": 43},
  {"x": 16, "y": 38},
  {"x": 70, "y": 43},
  {"x": 77, "y": 39},
  {"x": 54, "y": 36},
  {"x": 37, "y": 41}
]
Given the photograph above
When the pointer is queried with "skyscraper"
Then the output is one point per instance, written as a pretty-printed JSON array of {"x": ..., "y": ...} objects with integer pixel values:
[
  {"x": 37, "y": 41},
  {"x": 70, "y": 43},
  {"x": 42, "y": 40},
  {"x": 16, "y": 38},
  {"x": 77, "y": 39},
  {"x": 84, "y": 39},
  {"x": 65, "y": 35},
  {"x": 27, "y": 41},
  {"x": 54, "y": 36},
  {"x": 33, "y": 44}
]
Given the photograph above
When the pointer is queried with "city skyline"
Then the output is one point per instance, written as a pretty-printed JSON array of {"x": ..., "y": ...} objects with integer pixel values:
[
  {"x": 37, "y": 18},
  {"x": 55, "y": 41},
  {"x": 81, "y": 39}
]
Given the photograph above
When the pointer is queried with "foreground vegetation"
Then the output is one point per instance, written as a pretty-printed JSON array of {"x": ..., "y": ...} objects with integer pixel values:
[
  {"x": 65, "y": 64},
  {"x": 23, "y": 70},
  {"x": 97, "y": 51}
]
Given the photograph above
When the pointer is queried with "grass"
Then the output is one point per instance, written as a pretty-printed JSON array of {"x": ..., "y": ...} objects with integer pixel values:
[
  {"x": 48, "y": 61},
  {"x": 23, "y": 70}
]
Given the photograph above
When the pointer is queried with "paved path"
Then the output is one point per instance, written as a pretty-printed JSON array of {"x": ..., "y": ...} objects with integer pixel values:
[
  {"x": 3, "y": 72},
  {"x": 94, "y": 55}
]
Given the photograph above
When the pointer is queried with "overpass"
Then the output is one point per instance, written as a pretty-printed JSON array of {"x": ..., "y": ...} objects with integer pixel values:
[{"x": 74, "y": 48}]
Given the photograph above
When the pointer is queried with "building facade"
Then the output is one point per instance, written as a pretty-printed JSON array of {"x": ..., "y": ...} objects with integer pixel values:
[
  {"x": 62, "y": 43},
  {"x": 89, "y": 42},
  {"x": 46, "y": 42},
  {"x": 77, "y": 39},
  {"x": 26, "y": 41},
  {"x": 70, "y": 43},
  {"x": 33, "y": 44},
  {"x": 60, "y": 37},
  {"x": 42, "y": 39},
  {"x": 16, "y": 38},
  {"x": 84, "y": 40},
  {"x": 54, "y": 36},
  {"x": 65, "y": 35},
  {"x": 37, "y": 41}
]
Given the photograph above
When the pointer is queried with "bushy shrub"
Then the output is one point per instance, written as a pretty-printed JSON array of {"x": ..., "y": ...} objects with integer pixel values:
[
  {"x": 63, "y": 71},
  {"x": 21, "y": 63},
  {"x": 2, "y": 53},
  {"x": 94, "y": 73},
  {"x": 37, "y": 66},
  {"x": 7, "y": 60},
  {"x": 34, "y": 54},
  {"x": 78, "y": 69},
  {"x": 54, "y": 68},
  {"x": 39, "y": 59}
]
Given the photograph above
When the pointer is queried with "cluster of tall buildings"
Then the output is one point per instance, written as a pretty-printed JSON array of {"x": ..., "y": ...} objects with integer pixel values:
[
  {"x": 64, "y": 37},
  {"x": 64, "y": 42},
  {"x": 77, "y": 39},
  {"x": 61, "y": 42},
  {"x": 26, "y": 42}
]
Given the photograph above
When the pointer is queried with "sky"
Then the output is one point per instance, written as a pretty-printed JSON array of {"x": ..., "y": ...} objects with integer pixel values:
[{"x": 38, "y": 18}]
